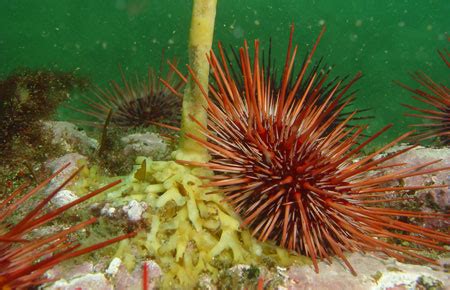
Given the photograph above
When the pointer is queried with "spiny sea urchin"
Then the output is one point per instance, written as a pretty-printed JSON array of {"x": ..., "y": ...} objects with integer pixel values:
[
  {"x": 438, "y": 97},
  {"x": 294, "y": 181},
  {"x": 137, "y": 103},
  {"x": 314, "y": 82},
  {"x": 24, "y": 260}
]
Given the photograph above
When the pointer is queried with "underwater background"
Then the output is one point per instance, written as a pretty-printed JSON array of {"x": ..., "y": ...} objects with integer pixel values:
[{"x": 385, "y": 40}]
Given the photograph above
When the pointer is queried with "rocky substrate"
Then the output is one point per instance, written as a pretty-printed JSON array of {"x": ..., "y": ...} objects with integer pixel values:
[{"x": 373, "y": 272}]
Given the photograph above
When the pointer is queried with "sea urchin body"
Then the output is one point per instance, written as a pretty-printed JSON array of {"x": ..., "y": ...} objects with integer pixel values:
[
  {"x": 137, "y": 103},
  {"x": 294, "y": 181}
]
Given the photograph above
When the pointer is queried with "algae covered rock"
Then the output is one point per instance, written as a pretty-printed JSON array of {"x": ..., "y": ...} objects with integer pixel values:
[
  {"x": 431, "y": 199},
  {"x": 373, "y": 273},
  {"x": 144, "y": 144},
  {"x": 70, "y": 137}
]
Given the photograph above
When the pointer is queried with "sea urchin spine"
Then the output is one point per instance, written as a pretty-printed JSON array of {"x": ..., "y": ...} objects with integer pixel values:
[
  {"x": 23, "y": 261},
  {"x": 437, "y": 97}
]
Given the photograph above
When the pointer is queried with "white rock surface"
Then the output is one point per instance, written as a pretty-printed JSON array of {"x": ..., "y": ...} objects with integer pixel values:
[
  {"x": 96, "y": 281},
  {"x": 134, "y": 210},
  {"x": 125, "y": 280},
  {"x": 68, "y": 135},
  {"x": 108, "y": 210},
  {"x": 428, "y": 200},
  {"x": 119, "y": 277},
  {"x": 64, "y": 197},
  {"x": 113, "y": 267},
  {"x": 55, "y": 164},
  {"x": 373, "y": 273},
  {"x": 144, "y": 144}
]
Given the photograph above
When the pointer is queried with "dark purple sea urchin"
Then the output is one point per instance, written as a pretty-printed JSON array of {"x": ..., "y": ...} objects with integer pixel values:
[
  {"x": 295, "y": 181},
  {"x": 135, "y": 103}
]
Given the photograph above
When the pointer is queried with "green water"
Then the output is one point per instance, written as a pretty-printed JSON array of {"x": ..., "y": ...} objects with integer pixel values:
[{"x": 384, "y": 39}]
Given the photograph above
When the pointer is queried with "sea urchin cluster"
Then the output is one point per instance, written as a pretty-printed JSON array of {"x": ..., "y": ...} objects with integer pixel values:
[
  {"x": 24, "y": 259},
  {"x": 294, "y": 181}
]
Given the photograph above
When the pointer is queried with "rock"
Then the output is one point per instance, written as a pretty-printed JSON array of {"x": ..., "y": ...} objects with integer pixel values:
[
  {"x": 125, "y": 280},
  {"x": 205, "y": 282},
  {"x": 64, "y": 197},
  {"x": 373, "y": 273},
  {"x": 134, "y": 210},
  {"x": 108, "y": 211},
  {"x": 72, "y": 139},
  {"x": 57, "y": 163},
  {"x": 113, "y": 267},
  {"x": 428, "y": 200},
  {"x": 53, "y": 165},
  {"x": 96, "y": 281},
  {"x": 144, "y": 144},
  {"x": 60, "y": 271}
]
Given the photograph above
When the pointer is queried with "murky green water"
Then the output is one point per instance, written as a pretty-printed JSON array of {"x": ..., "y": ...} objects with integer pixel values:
[{"x": 384, "y": 39}]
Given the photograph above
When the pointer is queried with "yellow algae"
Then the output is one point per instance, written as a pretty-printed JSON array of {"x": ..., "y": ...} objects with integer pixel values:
[
  {"x": 191, "y": 228},
  {"x": 170, "y": 194},
  {"x": 155, "y": 188}
]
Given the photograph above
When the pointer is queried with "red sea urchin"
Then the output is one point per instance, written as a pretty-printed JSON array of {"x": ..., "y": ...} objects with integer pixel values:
[
  {"x": 321, "y": 85},
  {"x": 436, "y": 96},
  {"x": 24, "y": 261},
  {"x": 137, "y": 103},
  {"x": 295, "y": 182}
]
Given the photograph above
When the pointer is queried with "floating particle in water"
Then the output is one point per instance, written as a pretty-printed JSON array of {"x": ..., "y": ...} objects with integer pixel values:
[
  {"x": 353, "y": 37},
  {"x": 358, "y": 23},
  {"x": 401, "y": 24},
  {"x": 238, "y": 32}
]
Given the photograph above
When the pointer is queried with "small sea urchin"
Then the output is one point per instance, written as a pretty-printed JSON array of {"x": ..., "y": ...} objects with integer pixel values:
[
  {"x": 436, "y": 96},
  {"x": 137, "y": 103},
  {"x": 23, "y": 259},
  {"x": 295, "y": 181}
]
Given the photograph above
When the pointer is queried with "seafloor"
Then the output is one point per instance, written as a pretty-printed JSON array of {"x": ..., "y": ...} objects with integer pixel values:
[{"x": 104, "y": 271}]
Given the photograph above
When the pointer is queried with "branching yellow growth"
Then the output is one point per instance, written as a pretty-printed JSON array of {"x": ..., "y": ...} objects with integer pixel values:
[
  {"x": 200, "y": 43},
  {"x": 192, "y": 230}
]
